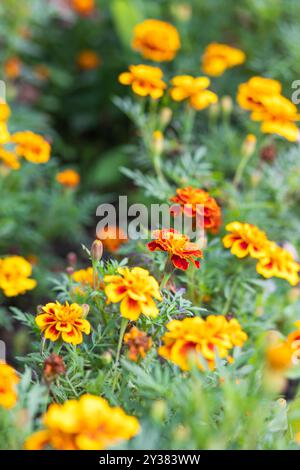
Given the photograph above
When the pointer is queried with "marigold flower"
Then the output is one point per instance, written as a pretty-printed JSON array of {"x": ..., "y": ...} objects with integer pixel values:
[
  {"x": 251, "y": 93},
  {"x": 293, "y": 341},
  {"x": 135, "y": 289},
  {"x": 245, "y": 240},
  {"x": 31, "y": 146},
  {"x": 179, "y": 247},
  {"x": 194, "y": 201},
  {"x": 144, "y": 80},
  {"x": 88, "y": 60},
  {"x": 53, "y": 367},
  {"x": 186, "y": 87},
  {"x": 88, "y": 423},
  {"x": 138, "y": 342},
  {"x": 8, "y": 382},
  {"x": 83, "y": 7},
  {"x": 156, "y": 40},
  {"x": 112, "y": 238},
  {"x": 9, "y": 159},
  {"x": 278, "y": 262},
  {"x": 15, "y": 274},
  {"x": 279, "y": 356},
  {"x": 12, "y": 68},
  {"x": 219, "y": 57},
  {"x": 4, "y": 112},
  {"x": 65, "y": 322},
  {"x": 84, "y": 276},
  {"x": 192, "y": 338},
  {"x": 4, "y": 133},
  {"x": 68, "y": 178}
]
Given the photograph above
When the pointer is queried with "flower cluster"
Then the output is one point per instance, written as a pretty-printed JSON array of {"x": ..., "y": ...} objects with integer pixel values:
[
  {"x": 66, "y": 322},
  {"x": 156, "y": 40},
  {"x": 138, "y": 343},
  {"x": 273, "y": 261},
  {"x": 135, "y": 289},
  {"x": 8, "y": 382},
  {"x": 181, "y": 250},
  {"x": 263, "y": 98},
  {"x": 197, "y": 202},
  {"x": 15, "y": 273},
  {"x": 85, "y": 424},
  {"x": 191, "y": 340},
  {"x": 219, "y": 57}
]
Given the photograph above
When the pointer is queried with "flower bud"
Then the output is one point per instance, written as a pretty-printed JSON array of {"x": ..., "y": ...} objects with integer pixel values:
[
  {"x": 72, "y": 259},
  {"x": 158, "y": 141},
  {"x": 226, "y": 105},
  {"x": 85, "y": 310},
  {"x": 159, "y": 410},
  {"x": 106, "y": 358},
  {"x": 249, "y": 144},
  {"x": 97, "y": 250},
  {"x": 165, "y": 116}
]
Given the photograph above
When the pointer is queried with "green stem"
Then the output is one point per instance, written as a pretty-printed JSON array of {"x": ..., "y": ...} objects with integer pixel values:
[
  {"x": 168, "y": 270},
  {"x": 123, "y": 327},
  {"x": 188, "y": 125},
  {"x": 230, "y": 297},
  {"x": 241, "y": 168}
]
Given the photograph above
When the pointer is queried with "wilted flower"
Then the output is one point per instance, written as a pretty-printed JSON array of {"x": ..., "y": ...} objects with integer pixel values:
[
  {"x": 144, "y": 80},
  {"x": 192, "y": 338},
  {"x": 31, "y": 146},
  {"x": 156, "y": 40},
  {"x": 138, "y": 343},
  {"x": 219, "y": 57},
  {"x": 65, "y": 322},
  {"x": 53, "y": 367},
  {"x": 88, "y": 59},
  {"x": 15, "y": 274},
  {"x": 245, "y": 240},
  {"x": 186, "y": 87},
  {"x": 8, "y": 382},
  {"x": 68, "y": 178},
  {"x": 88, "y": 423},
  {"x": 194, "y": 201},
  {"x": 135, "y": 289}
]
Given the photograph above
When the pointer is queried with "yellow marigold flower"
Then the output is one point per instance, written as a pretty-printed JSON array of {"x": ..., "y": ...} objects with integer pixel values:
[
  {"x": 156, "y": 40},
  {"x": 144, "y": 80},
  {"x": 112, "y": 238},
  {"x": 192, "y": 338},
  {"x": 68, "y": 178},
  {"x": 65, "y": 322},
  {"x": 12, "y": 68},
  {"x": 186, "y": 87},
  {"x": 219, "y": 57},
  {"x": 15, "y": 274},
  {"x": 245, "y": 240},
  {"x": 4, "y": 133},
  {"x": 8, "y": 382},
  {"x": 251, "y": 93},
  {"x": 88, "y": 423},
  {"x": 138, "y": 343},
  {"x": 84, "y": 276},
  {"x": 135, "y": 289},
  {"x": 88, "y": 60},
  {"x": 9, "y": 159},
  {"x": 31, "y": 146},
  {"x": 83, "y": 7},
  {"x": 4, "y": 112},
  {"x": 278, "y": 262}
]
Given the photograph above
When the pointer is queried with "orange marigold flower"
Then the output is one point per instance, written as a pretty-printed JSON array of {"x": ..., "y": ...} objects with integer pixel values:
[
  {"x": 144, "y": 80},
  {"x": 84, "y": 276},
  {"x": 135, "y": 289},
  {"x": 8, "y": 382},
  {"x": 219, "y": 57},
  {"x": 279, "y": 356},
  {"x": 293, "y": 340},
  {"x": 65, "y": 322},
  {"x": 251, "y": 93},
  {"x": 112, "y": 238},
  {"x": 192, "y": 338},
  {"x": 83, "y": 7},
  {"x": 186, "y": 87},
  {"x": 4, "y": 133},
  {"x": 181, "y": 250},
  {"x": 156, "y": 40},
  {"x": 245, "y": 240},
  {"x": 68, "y": 178},
  {"x": 15, "y": 274},
  {"x": 12, "y": 68},
  {"x": 138, "y": 342},
  {"x": 88, "y": 60},
  {"x": 88, "y": 423},
  {"x": 194, "y": 201},
  {"x": 31, "y": 146},
  {"x": 9, "y": 159},
  {"x": 278, "y": 262}
]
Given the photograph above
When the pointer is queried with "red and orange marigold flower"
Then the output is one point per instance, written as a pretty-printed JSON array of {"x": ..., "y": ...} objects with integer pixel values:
[
  {"x": 278, "y": 262},
  {"x": 197, "y": 202},
  {"x": 144, "y": 80},
  {"x": 189, "y": 340},
  {"x": 156, "y": 40},
  {"x": 8, "y": 382},
  {"x": 138, "y": 343},
  {"x": 63, "y": 322},
  {"x": 88, "y": 423},
  {"x": 179, "y": 247},
  {"x": 194, "y": 90},
  {"x": 219, "y": 57},
  {"x": 245, "y": 240},
  {"x": 135, "y": 289}
]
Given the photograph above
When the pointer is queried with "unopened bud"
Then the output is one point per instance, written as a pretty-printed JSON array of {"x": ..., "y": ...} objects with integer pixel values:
[
  {"x": 182, "y": 11},
  {"x": 97, "y": 250},
  {"x": 165, "y": 116},
  {"x": 214, "y": 110},
  {"x": 159, "y": 410},
  {"x": 106, "y": 358},
  {"x": 226, "y": 105},
  {"x": 70, "y": 270},
  {"x": 85, "y": 310},
  {"x": 249, "y": 145},
  {"x": 158, "y": 141}
]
